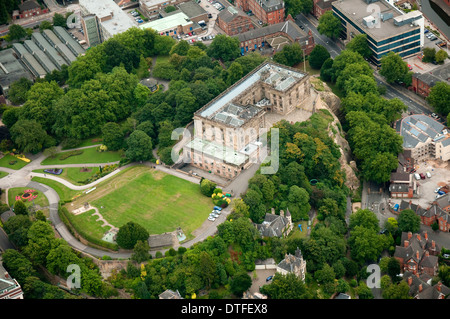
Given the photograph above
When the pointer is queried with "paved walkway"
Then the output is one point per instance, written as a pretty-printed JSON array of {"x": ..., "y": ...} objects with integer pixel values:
[{"x": 22, "y": 178}]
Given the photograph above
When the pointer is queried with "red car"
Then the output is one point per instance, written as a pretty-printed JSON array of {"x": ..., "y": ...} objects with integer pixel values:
[{"x": 422, "y": 176}]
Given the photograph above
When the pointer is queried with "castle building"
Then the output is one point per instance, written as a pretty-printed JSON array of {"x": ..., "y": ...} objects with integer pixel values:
[
  {"x": 293, "y": 264},
  {"x": 276, "y": 225}
]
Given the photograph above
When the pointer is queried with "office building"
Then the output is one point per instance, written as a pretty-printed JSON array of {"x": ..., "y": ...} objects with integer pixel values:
[{"x": 387, "y": 28}]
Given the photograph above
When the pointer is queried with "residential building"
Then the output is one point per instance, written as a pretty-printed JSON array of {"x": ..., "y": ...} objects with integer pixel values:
[
  {"x": 423, "y": 82},
  {"x": 388, "y": 29},
  {"x": 417, "y": 254},
  {"x": 267, "y": 11},
  {"x": 111, "y": 19},
  {"x": 321, "y": 6},
  {"x": 9, "y": 287},
  {"x": 425, "y": 137},
  {"x": 28, "y": 9},
  {"x": 420, "y": 287},
  {"x": 434, "y": 213},
  {"x": 228, "y": 129},
  {"x": 276, "y": 36},
  {"x": 233, "y": 21},
  {"x": 402, "y": 183},
  {"x": 293, "y": 264},
  {"x": 276, "y": 225}
]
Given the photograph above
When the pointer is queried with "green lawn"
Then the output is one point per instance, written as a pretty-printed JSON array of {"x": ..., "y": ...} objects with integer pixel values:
[
  {"x": 90, "y": 155},
  {"x": 64, "y": 192},
  {"x": 87, "y": 142},
  {"x": 296, "y": 233},
  {"x": 3, "y": 174},
  {"x": 157, "y": 201},
  {"x": 89, "y": 224},
  {"x": 5, "y": 160},
  {"x": 308, "y": 68},
  {"x": 73, "y": 174},
  {"x": 40, "y": 200}
]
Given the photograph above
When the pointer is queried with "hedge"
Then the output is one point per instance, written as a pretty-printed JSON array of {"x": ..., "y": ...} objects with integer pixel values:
[
  {"x": 67, "y": 219},
  {"x": 66, "y": 155}
]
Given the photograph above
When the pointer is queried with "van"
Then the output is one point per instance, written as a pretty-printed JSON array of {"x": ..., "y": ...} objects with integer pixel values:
[
  {"x": 417, "y": 176},
  {"x": 428, "y": 174}
]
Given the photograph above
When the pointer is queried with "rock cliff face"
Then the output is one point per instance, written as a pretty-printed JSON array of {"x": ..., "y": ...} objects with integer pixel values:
[{"x": 329, "y": 101}]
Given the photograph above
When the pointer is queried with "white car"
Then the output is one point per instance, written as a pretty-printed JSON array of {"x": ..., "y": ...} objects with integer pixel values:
[
  {"x": 211, "y": 218},
  {"x": 216, "y": 212},
  {"x": 213, "y": 215},
  {"x": 437, "y": 189}
]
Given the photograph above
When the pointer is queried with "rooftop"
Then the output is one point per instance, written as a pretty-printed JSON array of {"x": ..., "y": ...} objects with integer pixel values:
[
  {"x": 357, "y": 11},
  {"x": 271, "y": 5},
  {"x": 113, "y": 19},
  {"x": 419, "y": 128},
  {"x": 191, "y": 9},
  {"x": 28, "y": 5},
  {"x": 288, "y": 27},
  {"x": 70, "y": 42},
  {"x": 439, "y": 74},
  {"x": 169, "y": 22},
  {"x": 48, "y": 48},
  {"x": 280, "y": 77},
  {"x": 221, "y": 152},
  {"x": 11, "y": 69}
]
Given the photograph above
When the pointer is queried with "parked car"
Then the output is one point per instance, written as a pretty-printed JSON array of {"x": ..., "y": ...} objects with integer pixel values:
[
  {"x": 217, "y": 212},
  {"x": 426, "y": 31},
  {"x": 213, "y": 215},
  {"x": 438, "y": 196},
  {"x": 441, "y": 193},
  {"x": 211, "y": 218},
  {"x": 417, "y": 176},
  {"x": 437, "y": 189},
  {"x": 217, "y": 208},
  {"x": 422, "y": 176},
  {"x": 434, "y": 39},
  {"x": 428, "y": 174},
  {"x": 269, "y": 278}
]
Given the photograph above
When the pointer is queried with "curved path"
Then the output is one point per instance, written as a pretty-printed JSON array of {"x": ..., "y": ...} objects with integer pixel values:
[{"x": 22, "y": 178}]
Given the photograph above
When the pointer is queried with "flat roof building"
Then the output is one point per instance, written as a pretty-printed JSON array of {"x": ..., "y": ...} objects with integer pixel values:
[
  {"x": 40, "y": 56},
  {"x": 46, "y": 47},
  {"x": 51, "y": 37},
  {"x": 111, "y": 18},
  {"x": 228, "y": 128},
  {"x": 9, "y": 287},
  {"x": 71, "y": 43},
  {"x": 388, "y": 29},
  {"x": 29, "y": 60},
  {"x": 174, "y": 24}
]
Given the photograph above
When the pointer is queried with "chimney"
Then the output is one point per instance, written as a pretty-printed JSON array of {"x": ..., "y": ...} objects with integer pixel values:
[
  {"x": 427, "y": 253},
  {"x": 418, "y": 237},
  {"x": 425, "y": 235},
  {"x": 420, "y": 288},
  {"x": 410, "y": 281},
  {"x": 282, "y": 213},
  {"x": 273, "y": 211},
  {"x": 438, "y": 286},
  {"x": 417, "y": 254},
  {"x": 6, "y": 275},
  {"x": 409, "y": 235},
  {"x": 433, "y": 244},
  {"x": 406, "y": 243}
]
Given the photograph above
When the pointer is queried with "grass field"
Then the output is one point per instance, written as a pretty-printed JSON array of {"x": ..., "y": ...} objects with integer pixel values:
[
  {"x": 4, "y": 162},
  {"x": 40, "y": 200},
  {"x": 296, "y": 233},
  {"x": 157, "y": 201},
  {"x": 90, "y": 155},
  {"x": 89, "y": 224},
  {"x": 3, "y": 174},
  {"x": 73, "y": 174},
  {"x": 64, "y": 192}
]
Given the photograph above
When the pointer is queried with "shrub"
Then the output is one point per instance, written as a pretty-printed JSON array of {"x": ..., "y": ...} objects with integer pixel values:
[
  {"x": 66, "y": 155},
  {"x": 129, "y": 234}
]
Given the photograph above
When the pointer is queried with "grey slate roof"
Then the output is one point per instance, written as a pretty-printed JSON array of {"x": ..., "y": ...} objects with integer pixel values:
[
  {"x": 439, "y": 74},
  {"x": 272, "y": 225},
  {"x": 291, "y": 261},
  {"x": 288, "y": 27},
  {"x": 418, "y": 128},
  {"x": 28, "y": 5},
  {"x": 170, "y": 294},
  {"x": 192, "y": 9}
]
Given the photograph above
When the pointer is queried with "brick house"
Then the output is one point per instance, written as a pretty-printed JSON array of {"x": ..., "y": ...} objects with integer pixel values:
[
  {"x": 28, "y": 9},
  {"x": 268, "y": 11},
  {"x": 432, "y": 214},
  {"x": 321, "y": 6},
  {"x": 423, "y": 82},
  {"x": 276, "y": 35},
  {"x": 420, "y": 287},
  {"x": 233, "y": 21},
  {"x": 417, "y": 254}
]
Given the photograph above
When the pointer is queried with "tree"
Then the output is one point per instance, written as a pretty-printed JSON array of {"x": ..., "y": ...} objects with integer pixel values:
[
  {"x": 235, "y": 73},
  {"x": 294, "y": 7},
  {"x": 254, "y": 200},
  {"x": 366, "y": 244},
  {"x": 17, "y": 93},
  {"x": 391, "y": 225},
  {"x": 318, "y": 56},
  {"x": 363, "y": 291},
  {"x": 59, "y": 258},
  {"x": 408, "y": 221},
  {"x": 141, "y": 251},
  {"x": 207, "y": 187},
  {"x": 429, "y": 54},
  {"x": 18, "y": 266},
  {"x": 393, "y": 269},
  {"x": 224, "y": 47},
  {"x": 326, "y": 70},
  {"x": 439, "y": 97},
  {"x": 364, "y": 218},
  {"x": 289, "y": 55},
  {"x": 112, "y": 136},
  {"x": 239, "y": 283},
  {"x": 394, "y": 291},
  {"x": 129, "y": 234},
  {"x": 16, "y": 32},
  {"x": 169, "y": 9},
  {"x": 393, "y": 68},
  {"x": 441, "y": 56},
  {"x": 10, "y": 116},
  {"x": 139, "y": 146},
  {"x": 45, "y": 25},
  {"x": 286, "y": 287},
  {"x": 359, "y": 44},
  {"x": 29, "y": 136},
  {"x": 181, "y": 48},
  {"x": 329, "y": 25},
  {"x": 59, "y": 20},
  {"x": 20, "y": 208},
  {"x": 298, "y": 199},
  {"x": 41, "y": 239}
]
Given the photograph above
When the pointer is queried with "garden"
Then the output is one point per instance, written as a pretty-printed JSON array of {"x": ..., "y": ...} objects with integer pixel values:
[
  {"x": 85, "y": 156},
  {"x": 13, "y": 162},
  {"x": 28, "y": 196}
]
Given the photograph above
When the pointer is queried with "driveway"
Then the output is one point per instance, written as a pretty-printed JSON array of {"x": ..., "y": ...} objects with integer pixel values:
[{"x": 261, "y": 275}]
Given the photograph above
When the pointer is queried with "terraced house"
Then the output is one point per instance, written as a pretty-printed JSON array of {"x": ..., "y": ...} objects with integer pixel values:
[{"x": 387, "y": 28}]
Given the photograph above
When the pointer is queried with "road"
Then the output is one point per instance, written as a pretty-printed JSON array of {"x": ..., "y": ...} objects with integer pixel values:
[{"x": 412, "y": 101}]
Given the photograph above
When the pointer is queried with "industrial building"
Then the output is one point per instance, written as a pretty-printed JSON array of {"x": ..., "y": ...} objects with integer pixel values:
[
  {"x": 68, "y": 40},
  {"x": 387, "y": 28},
  {"x": 11, "y": 70}
]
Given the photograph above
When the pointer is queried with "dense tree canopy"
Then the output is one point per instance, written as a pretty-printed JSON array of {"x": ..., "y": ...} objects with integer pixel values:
[{"x": 329, "y": 25}]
